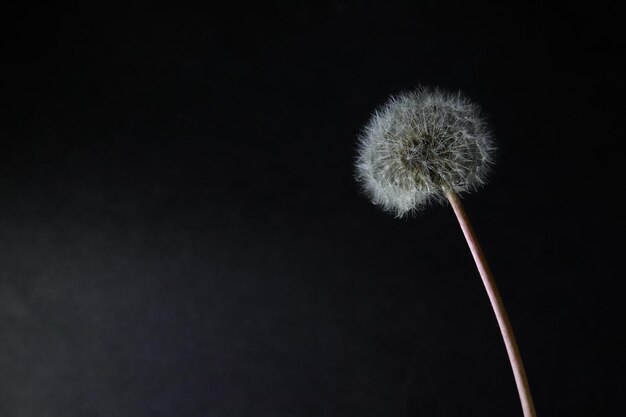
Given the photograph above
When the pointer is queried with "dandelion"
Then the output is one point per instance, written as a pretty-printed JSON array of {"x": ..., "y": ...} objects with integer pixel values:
[
  {"x": 428, "y": 145},
  {"x": 419, "y": 144}
]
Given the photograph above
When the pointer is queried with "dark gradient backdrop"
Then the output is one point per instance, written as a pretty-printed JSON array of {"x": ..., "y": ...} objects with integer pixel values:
[{"x": 181, "y": 234}]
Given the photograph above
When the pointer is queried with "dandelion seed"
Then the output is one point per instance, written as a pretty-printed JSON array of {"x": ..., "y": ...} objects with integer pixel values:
[{"x": 420, "y": 143}]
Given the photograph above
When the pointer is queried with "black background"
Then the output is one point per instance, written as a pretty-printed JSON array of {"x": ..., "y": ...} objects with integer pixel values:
[{"x": 181, "y": 233}]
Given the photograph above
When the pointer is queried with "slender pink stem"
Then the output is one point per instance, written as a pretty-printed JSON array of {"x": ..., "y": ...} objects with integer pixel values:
[{"x": 498, "y": 307}]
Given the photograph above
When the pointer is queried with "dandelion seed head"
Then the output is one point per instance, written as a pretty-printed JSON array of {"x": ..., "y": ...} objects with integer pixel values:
[{"x": 420, "y": 143}]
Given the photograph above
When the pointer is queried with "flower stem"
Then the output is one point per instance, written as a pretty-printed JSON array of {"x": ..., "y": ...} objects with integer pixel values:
[{"x": 498, "y": 307}]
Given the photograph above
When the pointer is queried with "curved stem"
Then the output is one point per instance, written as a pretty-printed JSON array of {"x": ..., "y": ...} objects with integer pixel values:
[{"x": 498, "y": 307}]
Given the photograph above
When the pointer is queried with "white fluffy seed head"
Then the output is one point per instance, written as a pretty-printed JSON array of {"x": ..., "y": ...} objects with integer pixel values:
[{"x": 419, "y": 144}]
